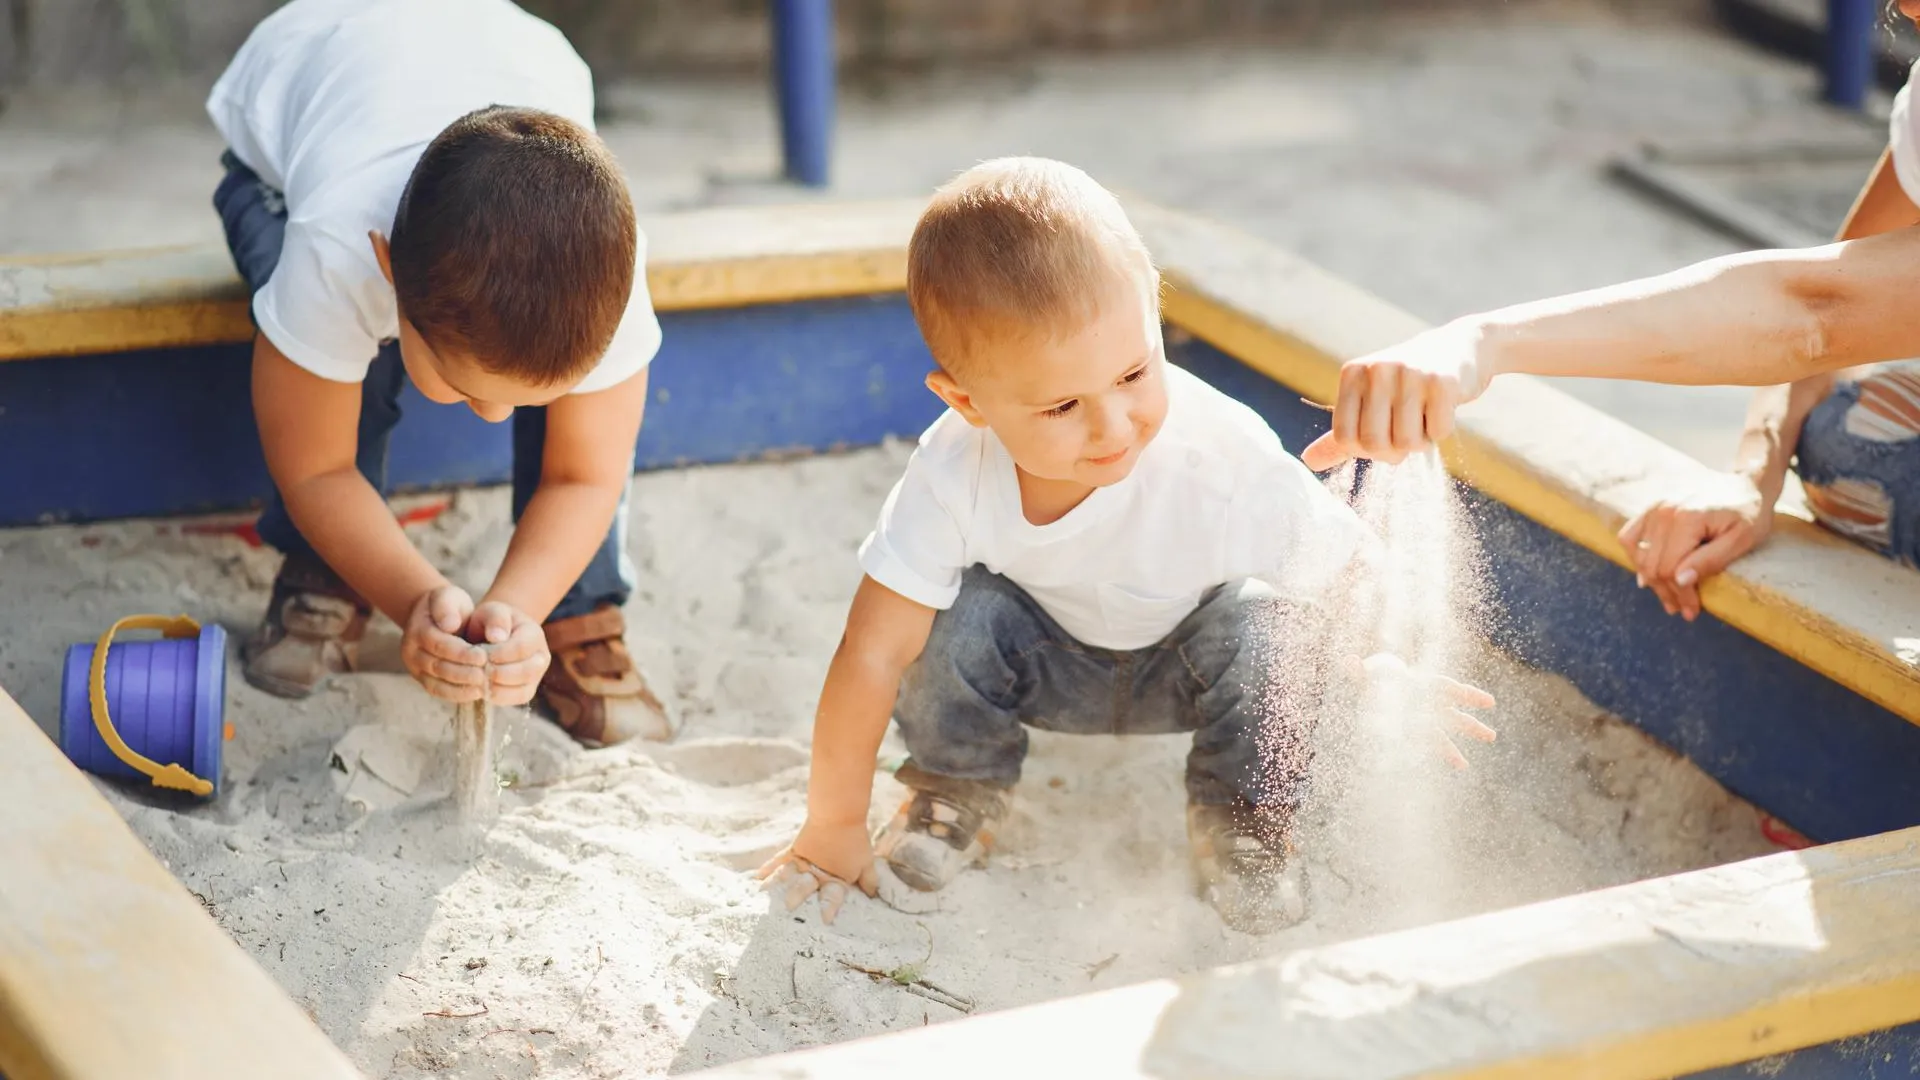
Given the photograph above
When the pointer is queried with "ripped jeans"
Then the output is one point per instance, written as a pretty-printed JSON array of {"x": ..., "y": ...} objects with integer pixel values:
[{"x": 1859, "y": 460}]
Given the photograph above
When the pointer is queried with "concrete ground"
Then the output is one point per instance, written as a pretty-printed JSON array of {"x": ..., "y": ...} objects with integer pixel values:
[{"x": 1447, "y": 163}]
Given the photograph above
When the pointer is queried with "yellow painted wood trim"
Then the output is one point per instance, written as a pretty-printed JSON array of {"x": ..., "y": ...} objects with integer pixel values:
[
  {"x": 123, "y": 301},
  {"x": 80, "y": 331},
  {"x": 1303, "y": 324},
  {"x": 1649, "y": 980},
  {"x": 108, "y": 966}
]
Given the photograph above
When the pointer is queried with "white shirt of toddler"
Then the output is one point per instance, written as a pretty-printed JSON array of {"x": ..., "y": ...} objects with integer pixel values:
[{"x": 1214, "y": 498}]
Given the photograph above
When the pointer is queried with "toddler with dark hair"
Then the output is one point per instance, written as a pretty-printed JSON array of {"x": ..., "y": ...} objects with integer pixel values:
[{"x": 414, "y": 190}]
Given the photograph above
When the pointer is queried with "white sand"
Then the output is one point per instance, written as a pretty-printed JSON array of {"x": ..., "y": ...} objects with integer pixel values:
[{"x": 605, "y": 926}]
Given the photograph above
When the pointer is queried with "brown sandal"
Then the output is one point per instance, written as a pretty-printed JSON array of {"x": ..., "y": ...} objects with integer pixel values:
[
  {"x": 946, "y": 826},
  {"x": 592, "y": 687},
  {"x": 313, "y": 628}
]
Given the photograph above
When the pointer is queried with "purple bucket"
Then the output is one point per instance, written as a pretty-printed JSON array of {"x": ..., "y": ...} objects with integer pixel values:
[{"x": 167, "y": 699}]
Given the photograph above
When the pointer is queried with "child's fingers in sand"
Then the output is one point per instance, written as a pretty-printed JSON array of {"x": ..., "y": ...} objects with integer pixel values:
[
  {"x": 427, "y": 643},
  {"x": 426, "y": 666},
  {"x": 458, "y": 693},
  {"x": 526, "y": 641},
  {"x": 448, "y": 608},
  {"x": 1461, "y": 694},
  {"x": 493, "y": 623},
  {"x": 1466, "y": 724},
  {"x": 796, "y": 879},
  {"x": 520, "y": 672}
]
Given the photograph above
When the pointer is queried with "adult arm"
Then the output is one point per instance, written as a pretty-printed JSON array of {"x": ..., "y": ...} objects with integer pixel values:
[
  {"x": 1753, "y": 319},
  {"x": 1689, "y": 536}
]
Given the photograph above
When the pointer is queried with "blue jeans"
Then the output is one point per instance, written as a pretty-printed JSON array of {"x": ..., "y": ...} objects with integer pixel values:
[
  {"x": 1859, "y": 460},
  {"x": 996, "y": 663},
  {"x": 255, "y": 218}
]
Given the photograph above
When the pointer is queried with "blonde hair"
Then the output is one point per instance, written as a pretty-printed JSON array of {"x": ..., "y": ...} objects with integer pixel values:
[{"x": 1014, "y": 247}]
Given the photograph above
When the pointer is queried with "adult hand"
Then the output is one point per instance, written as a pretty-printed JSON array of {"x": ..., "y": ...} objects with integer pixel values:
[
  {"x": 516, "y": 649},
  {"x": 446, "y": 664},
  {"x": 827, "y": 859},
  {"x": 1682, "y": 540},
  {"x": 1400, "y": 400}
]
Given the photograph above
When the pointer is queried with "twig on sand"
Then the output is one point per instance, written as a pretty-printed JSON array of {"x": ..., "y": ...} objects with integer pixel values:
[
  {"x": 450, "y": 1015},
  {"x": 588, "y": 992},
  {"x": 1094, "y": 970},
  {"x": 516, "y": 1031},
  {"x": 911, "y": 978}
]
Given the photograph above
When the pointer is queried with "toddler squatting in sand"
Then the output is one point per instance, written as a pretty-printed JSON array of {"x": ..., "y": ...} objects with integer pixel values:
[{"x": 1090, "y": 540}]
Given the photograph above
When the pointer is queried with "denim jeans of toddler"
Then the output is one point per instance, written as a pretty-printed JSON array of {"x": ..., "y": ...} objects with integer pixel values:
[{"x": 996, "y": 664}]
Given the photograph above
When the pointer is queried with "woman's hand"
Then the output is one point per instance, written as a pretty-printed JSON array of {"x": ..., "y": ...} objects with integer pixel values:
[
  {"x": 1400, "y": 400},
  {"x": 1681, "y": 541}
]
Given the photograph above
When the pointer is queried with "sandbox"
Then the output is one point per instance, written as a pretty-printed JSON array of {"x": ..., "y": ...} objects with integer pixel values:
[{"x": 607, "y": 925}]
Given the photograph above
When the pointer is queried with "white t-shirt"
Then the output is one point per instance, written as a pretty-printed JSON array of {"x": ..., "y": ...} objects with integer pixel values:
[
  {"x": 1903, "y": 137},
  {"x": 1213, "y": 498},
  {"x": 333, "y": 102}
]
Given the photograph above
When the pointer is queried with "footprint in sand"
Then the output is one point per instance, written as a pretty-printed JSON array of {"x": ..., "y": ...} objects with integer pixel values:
[{"x": 732, "y": 762}]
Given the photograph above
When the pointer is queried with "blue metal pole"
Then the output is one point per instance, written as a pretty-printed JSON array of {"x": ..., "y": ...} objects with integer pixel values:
[
  {"x": 1849, "y": 61},
  {"x": 803, "y": 77}
]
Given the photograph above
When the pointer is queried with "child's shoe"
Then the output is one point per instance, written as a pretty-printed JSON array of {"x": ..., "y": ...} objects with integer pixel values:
[
  {"x": 312, "y": 630},
  {"x": 593, "y": 688},
  {"x": 946, "y": 826},
  {"x": 1243, "y": 858}
]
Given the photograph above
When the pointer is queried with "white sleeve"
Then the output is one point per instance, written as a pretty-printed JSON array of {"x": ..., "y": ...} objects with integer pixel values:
[
  {"x": 314, "y": 306},
  {"x": 635, "y": 341},
  {"x": 1903, "y": 139},
  {"x": 1286, "y": 527},
  {"x": 918, "y": 548}
]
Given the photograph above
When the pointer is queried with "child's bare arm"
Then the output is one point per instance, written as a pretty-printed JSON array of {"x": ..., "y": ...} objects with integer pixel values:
[
  {"x": 309, "y": 433},
  {"x": 584, "y": 467},
  {"x": 885, "y": 634}
]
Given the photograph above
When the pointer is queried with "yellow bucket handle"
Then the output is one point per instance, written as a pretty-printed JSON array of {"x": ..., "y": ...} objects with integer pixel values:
[{"x": 166, "y": 776}]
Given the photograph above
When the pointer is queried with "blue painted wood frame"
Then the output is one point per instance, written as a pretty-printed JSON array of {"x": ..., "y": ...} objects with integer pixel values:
[{"x": 171, "y": 432}]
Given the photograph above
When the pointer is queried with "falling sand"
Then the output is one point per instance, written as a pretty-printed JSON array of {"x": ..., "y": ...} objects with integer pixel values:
[{"x": 608, "y": 926}]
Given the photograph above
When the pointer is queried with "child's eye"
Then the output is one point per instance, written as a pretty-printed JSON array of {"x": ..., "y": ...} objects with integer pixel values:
[
  {"x": 1135, "y": 375},
  {"x": 1061, "y": 409}
]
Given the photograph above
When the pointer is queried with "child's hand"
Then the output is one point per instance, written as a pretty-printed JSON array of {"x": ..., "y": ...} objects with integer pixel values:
[
  {"x": 827, "y": 859},
  {"x": 1444, "y": 695},
  {"x": 448, "y": 666},
  {"x": 516, "y": 650}
]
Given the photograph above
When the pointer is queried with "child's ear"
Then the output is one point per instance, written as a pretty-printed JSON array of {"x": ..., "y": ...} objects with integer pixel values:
[
  {"x": 382, "y": 253},
  {"x": 957, "y": 399}
]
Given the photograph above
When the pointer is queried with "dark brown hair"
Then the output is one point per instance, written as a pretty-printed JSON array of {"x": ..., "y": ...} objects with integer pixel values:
[{"x": 514, "y": 243}]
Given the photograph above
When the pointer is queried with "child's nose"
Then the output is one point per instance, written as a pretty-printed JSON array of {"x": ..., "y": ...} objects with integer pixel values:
[
  {"x": 1110, "y": 418},
  {"x": 488, "y": 411}
]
